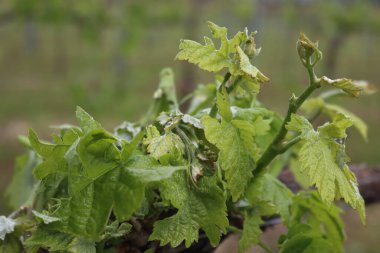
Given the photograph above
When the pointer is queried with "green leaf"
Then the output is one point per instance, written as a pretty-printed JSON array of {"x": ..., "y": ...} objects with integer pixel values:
[
  {"x": 86, "y": 121},
  {"x": 198, "y": 208},
  {"x": 122, "y": 190},
  {"x": 301, "y": 239},
  {"x": 323, "y": 221},
  {"x": 148, "y": 171},
  {"x": 251, "y": 232},
  {"x": 52, "y": 154},
  {"x": 87, "y": 211},
  {"x": 223, "y": 102},
  {"x": 98, "y": 153},
  {"x": 22, "y": 182},
  {"x": 166, "y": 88},
  {"x": 44, "y": 149},
  {"x": 80, "y": 245},
  {"x": 51, "y": 240},
  {"x": 248, "y": 132},
  {"x": 99, "y": 182},
  {"x": 324, "y": 161},
  {"x": 11, "y": 244},
  {"x": 164, "y": 97},
  {"x": 266, "y": 124},
  {"x": 266, "y": 188},
  {"x": 234, "y": 158},
  {"x": 347, "y": 85}
]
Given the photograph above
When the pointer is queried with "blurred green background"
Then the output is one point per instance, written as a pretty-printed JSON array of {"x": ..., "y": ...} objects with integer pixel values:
[{"x": 105, "y": 55}]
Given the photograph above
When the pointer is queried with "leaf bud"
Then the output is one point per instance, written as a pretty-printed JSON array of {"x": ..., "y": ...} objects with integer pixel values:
[
  {"x": 250, "y": 46},
  {"x": 307, "y": 49}
]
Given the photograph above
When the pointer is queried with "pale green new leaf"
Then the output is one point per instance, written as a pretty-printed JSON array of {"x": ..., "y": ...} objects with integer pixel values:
[
  {"x": 347, "y": 85},
  {"x": 167, "y": 88},
  {"x": 206, "y": 56},
  {"x": 251, "y": 232},
  {"x": 165, "y": 148},
  {"x": 176, "y": 229},
  {"x": 223, "y": 102},
  {"x": 332, "y": 110},
  {"x": 250, "y": 76},
  {"x": 266, "y": 125},
  {"x": 251, "y": 86},
  {"x": 299, "y": 124},
  {"x": 324, "y": 161},
  {"x": 247, "y": 132},
  {"x": 230, "y": 55},
  {"x": 45, "y": 218},
  {"x": 198, "y": 208},
  {"x": 235, "y": 159},
  {"x": 248, "y": 69}
]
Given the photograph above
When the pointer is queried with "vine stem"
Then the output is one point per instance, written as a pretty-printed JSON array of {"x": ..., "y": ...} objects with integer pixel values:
[
  {"x": 289, "y": 144},
  {"x": 234, "y": 229},
  {"x": 18, "y": 212},
  {"x": 276, "y": 147}
]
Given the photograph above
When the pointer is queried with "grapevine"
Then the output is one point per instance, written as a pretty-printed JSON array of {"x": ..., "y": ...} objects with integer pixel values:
[{"x": 177, "y": 175}]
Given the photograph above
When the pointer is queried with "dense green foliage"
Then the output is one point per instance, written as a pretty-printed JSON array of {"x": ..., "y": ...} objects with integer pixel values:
[{"x": 177, "y": 173}]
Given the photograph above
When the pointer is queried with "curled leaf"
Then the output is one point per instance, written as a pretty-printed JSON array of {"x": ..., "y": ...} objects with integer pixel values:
[{"x": 347, "y": 85}]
